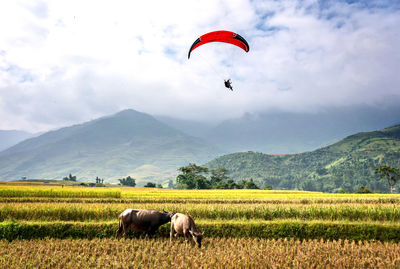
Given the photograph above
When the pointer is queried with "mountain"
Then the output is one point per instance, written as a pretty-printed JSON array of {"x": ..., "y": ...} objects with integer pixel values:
[
  {"x": 348, "y": 164},
  {"x": 288, "y": 132},
  {"x": 9, "y": 138},
  {"x": 191, "y": 127},
  {"x": 127, "y": 143}
]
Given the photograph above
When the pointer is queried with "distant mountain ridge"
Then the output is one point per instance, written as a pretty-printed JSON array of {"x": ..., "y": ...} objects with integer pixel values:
[
  {"x": 127, "y": 143},
  {"x": 348, "y": 164},
  {"x": 9, "y": 138},
  {"x": 288, "y": 132},
  {"x": 280, "y": 132}
]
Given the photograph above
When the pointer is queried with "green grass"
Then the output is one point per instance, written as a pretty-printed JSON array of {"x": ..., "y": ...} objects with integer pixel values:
[{"x": 238, "y": 229}]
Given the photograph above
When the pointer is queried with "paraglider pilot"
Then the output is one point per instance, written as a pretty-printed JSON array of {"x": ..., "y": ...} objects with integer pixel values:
[{"x": 228, "y": 84}]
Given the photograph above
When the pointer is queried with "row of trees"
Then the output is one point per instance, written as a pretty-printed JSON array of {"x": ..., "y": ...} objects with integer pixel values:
[
  {"x": 128, "y": 181},
  {"x": 99, "y": 180},
  {"x": 152, "y": 185},
  {"x": 193, "y": 176},
  {"x": 70, "y": 178}
]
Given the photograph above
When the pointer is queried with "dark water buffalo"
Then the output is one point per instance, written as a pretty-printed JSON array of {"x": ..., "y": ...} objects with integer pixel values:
[
  {"x": 142, "y": 220},
  {"x": 184, "y": 224}
]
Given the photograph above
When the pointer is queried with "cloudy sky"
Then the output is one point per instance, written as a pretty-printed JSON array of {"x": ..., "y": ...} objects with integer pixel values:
[{"x": 65, "y": 62}]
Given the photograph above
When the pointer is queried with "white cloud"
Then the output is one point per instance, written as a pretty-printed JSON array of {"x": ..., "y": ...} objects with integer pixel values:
[{"x": 65, "y": 62}]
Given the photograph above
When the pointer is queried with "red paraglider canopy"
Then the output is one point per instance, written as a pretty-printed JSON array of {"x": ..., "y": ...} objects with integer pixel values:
[{"x": 220, "y": 36}]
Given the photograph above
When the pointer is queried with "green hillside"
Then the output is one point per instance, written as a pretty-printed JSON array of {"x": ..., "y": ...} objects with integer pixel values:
[
  {"x": 348, "y": 164},
  {"x": 127, "y": 143}
]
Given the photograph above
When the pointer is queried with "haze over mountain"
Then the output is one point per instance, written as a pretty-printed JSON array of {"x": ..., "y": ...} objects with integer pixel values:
[
  {"x": 152, "y": 148},
  {"x": 280, "y": 132},
  {"x": 348, "y": 164},
  {"x": 127, "y": 143},
  {"x": 9, "y": 138}
]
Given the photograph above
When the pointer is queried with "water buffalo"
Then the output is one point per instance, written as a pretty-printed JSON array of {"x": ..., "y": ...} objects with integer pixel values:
[
  {"x": 142, "y": 220},
  {"x": 184, "y": 224}
]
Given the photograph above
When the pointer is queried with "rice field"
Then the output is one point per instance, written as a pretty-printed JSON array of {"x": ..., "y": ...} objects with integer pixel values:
[
  {"x": 216, "y": 253},
  {"x": 50, "y": 226},
  {"x": 225, "y": 211}
]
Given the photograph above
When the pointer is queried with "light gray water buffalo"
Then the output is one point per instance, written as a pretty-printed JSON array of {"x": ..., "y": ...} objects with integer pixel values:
[
  {"x": 142, "y": 220},
  {"x": 184, "y": 224}
]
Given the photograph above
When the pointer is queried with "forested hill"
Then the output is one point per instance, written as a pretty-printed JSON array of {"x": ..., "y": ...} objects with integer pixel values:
[
  {"x": 127, "y": 143},
  {"x": 348, "y": 164}
]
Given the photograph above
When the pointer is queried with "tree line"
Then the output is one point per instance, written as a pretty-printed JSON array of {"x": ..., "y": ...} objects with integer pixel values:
[{"x": 193, "y": 176}]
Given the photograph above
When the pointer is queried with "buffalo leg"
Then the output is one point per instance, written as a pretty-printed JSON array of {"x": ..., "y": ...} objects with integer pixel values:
[
  {"x": 119, "y": 230},
  {"x": 171, "y": 232},
  {"x": 148, "y": 234},
  {"x": 124, "y": 229},
  {"x": 152, "y": 231},
  {"x": 186, "y": 234}
]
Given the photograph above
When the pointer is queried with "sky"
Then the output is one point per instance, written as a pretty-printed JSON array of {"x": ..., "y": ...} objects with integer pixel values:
[{"x": 67, "y": 62}]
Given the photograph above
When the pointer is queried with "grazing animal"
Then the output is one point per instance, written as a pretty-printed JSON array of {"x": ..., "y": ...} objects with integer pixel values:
[
  {"x": 184, "y": 224},
  {"x": 142, "y": 220}
]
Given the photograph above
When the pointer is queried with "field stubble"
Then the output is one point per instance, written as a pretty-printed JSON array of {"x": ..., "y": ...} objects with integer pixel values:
[
  {"x": 215, "y": 253},
  {"x": 72, "y": 227}
]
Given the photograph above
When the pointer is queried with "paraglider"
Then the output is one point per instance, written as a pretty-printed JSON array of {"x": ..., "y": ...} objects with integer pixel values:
[
  {"x": 221, "y": 36},
  {"x": 228, "y": 84}
]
